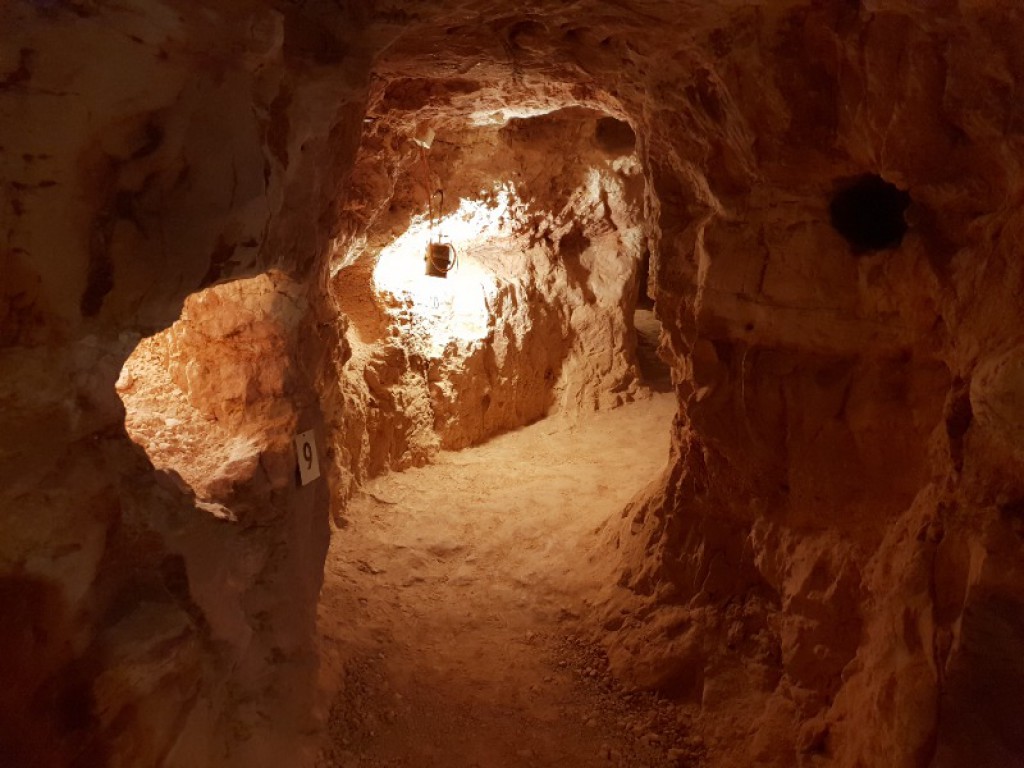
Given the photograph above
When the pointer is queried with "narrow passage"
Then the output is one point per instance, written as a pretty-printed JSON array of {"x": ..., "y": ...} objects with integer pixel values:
[{"x": 450, "y": 597}]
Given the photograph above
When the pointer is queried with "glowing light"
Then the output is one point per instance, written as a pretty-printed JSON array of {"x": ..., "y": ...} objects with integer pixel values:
[
  {"x": 455, "y": 308},
  {"x": 502, "y": 116}
]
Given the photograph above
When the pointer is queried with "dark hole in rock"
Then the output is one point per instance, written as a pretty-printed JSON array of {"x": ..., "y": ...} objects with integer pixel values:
[
  {"x": 868, "y": 212},
  {"x": 615, "y": 136}
]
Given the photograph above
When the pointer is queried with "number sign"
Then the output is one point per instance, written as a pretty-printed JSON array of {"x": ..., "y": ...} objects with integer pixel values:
[{"x": 309, "y": 464}]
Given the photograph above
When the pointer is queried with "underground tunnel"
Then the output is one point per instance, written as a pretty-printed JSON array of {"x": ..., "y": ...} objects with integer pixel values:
[{"x": 451, "y": 384}]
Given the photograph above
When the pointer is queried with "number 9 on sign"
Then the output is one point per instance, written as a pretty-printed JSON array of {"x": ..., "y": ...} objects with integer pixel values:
[{"x": 309, "y": 464}]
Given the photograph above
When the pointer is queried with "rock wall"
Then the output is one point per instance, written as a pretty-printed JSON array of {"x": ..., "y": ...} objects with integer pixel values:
[
  {"x": 148, "y": 152},
  {"x": 827, "y": 567}
]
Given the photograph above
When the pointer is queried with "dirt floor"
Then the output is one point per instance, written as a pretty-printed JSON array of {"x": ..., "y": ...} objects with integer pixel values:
[{"x": 453, "y": 594}]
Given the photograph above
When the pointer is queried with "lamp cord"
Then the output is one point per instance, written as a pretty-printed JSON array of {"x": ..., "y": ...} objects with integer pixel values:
[{"x": 433, "y": 216}]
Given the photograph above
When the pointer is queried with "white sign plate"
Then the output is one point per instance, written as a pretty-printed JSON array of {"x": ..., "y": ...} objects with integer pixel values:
[{"x": 309, "y": 464}]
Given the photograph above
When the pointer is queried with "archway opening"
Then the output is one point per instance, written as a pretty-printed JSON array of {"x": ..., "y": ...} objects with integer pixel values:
[
  {"x": 491, "y": 427},
  {"x": 536, "y": 316}
]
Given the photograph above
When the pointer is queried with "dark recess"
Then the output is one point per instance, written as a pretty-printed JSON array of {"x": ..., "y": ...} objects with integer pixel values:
[
  {"x": 100, "y": 275},
  {"x": 644, "y": 300},
  {"x": 615, "y": 136},
  {"x": 868, "y": 212}
]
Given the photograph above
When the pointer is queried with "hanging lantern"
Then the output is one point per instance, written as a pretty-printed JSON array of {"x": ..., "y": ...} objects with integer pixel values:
[{"x": 440, "y": 259}]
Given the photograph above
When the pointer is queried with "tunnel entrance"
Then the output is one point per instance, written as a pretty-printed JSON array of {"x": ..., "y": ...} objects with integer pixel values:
[{"x": 546, "y": 216}]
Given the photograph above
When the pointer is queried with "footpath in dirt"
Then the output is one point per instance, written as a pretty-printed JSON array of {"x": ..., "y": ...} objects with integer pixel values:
[{"x": 452, "y": 596}]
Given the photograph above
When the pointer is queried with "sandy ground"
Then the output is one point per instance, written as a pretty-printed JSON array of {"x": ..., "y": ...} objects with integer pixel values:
[{"x": 451, "y": 598}]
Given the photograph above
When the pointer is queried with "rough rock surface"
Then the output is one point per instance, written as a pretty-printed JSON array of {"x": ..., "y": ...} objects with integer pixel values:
[
  {"x": 830, "y": 572},
  {"x": 214, "y": 401},
  {"x": 534, "y": 320},
  {"x": 149, "y": 151}
]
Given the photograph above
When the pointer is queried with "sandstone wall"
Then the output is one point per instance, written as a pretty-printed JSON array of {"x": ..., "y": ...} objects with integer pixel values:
[
  {"x": 150, "y": 150},
  {"x": 828, "y": 564}
]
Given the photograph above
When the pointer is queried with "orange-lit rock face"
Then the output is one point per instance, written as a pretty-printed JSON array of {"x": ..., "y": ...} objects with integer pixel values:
[
  {"x": 212, "y": 399},
  {"x": 831, "y": 568},
  {"x": 536, "y": 316}
]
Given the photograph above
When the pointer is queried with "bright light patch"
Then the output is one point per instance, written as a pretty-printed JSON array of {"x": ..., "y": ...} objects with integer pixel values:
[
  {"x": 456, "y": 307},
  {"x": 502, "y": 116}
]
